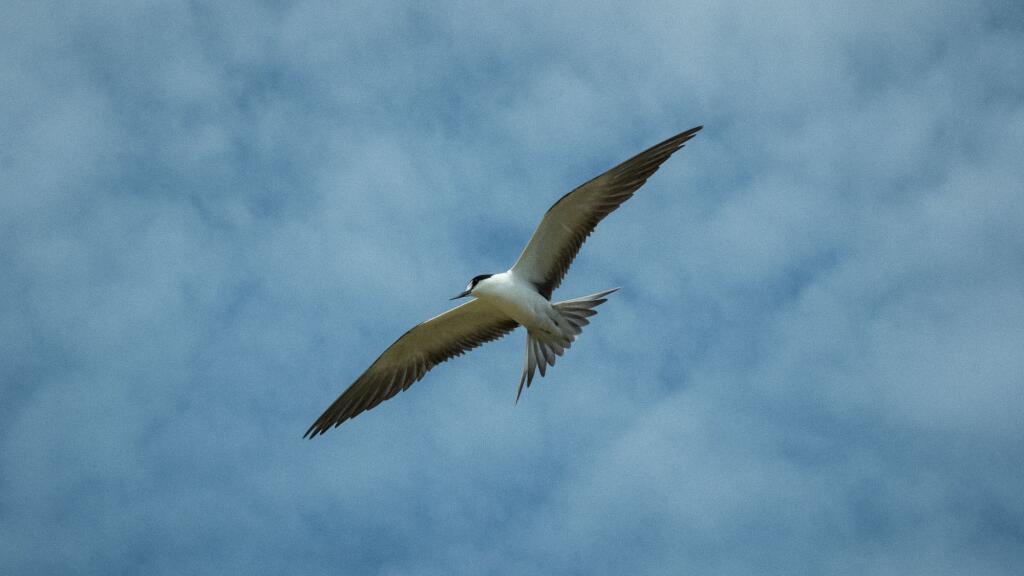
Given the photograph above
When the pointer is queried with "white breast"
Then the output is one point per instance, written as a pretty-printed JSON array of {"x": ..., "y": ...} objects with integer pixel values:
[{"x": 517, "y": 298}]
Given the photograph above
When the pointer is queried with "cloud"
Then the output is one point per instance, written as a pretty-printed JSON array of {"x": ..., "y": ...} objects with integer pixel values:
[{"x": 213, "y": 218}]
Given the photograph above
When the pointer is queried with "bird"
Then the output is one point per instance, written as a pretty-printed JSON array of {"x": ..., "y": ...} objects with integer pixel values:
[{"x": 520, "y": 296}]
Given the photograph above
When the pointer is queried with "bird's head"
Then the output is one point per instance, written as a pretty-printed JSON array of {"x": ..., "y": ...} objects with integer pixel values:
[{"x": 472, "y": 285}]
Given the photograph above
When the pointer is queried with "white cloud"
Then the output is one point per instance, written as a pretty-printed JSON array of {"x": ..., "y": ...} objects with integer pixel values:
[{"x": 212, "y": 217}]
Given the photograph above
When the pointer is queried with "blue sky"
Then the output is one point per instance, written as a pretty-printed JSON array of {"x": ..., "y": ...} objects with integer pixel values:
[{"x": 213, "y": 217}]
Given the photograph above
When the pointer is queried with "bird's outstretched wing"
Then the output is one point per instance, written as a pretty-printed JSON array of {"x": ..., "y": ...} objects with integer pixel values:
[
  {"x": 453, "y": 333},
  {"x": 566, "y": 225}
]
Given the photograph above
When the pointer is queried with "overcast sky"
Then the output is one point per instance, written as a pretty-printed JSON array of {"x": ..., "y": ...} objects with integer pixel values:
[{"x": 214, "y": 217}]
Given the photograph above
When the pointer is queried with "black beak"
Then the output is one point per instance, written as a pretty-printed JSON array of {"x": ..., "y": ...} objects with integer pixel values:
[{"x": 463, "y": 295}]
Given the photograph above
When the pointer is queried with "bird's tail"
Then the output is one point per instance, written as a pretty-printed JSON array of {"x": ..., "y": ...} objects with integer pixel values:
[{"x": 541, "y": 349}]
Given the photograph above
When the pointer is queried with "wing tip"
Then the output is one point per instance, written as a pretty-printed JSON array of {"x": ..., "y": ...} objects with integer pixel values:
[
  {"x": 693, "y": 130},
  {"x": 315, "y": 430},
  {"x": 680, "y": 139},
  {"x": 329, "y": 419}
]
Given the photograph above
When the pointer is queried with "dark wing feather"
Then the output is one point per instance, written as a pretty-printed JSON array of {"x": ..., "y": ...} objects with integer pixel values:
[
  {"x": 451, "y": 334},
  {"x": 569, "y": 222}
]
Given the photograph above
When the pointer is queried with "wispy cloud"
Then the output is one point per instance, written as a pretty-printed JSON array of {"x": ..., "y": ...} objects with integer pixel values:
[{"x": 213, "y": 218}]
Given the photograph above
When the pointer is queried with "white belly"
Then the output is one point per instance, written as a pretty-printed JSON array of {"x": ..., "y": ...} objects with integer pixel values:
[{"x": 520, "y": 300}]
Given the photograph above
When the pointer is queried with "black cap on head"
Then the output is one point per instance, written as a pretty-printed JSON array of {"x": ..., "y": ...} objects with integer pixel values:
[
  {"x": 472, "y": 284},
  {"x": 479, "y": 278}
]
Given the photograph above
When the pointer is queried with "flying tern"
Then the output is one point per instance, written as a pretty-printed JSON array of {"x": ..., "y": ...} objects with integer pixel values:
[{"x": 520, "y": 296}]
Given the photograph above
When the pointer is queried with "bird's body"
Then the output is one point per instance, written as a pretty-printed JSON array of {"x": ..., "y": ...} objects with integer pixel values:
[
  {"x": 520, "y": 301},
  {"x": 520, "y": 296}
]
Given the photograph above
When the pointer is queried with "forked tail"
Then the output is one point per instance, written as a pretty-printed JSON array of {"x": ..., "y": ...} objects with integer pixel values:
[{"x": 541, "y": 350}]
